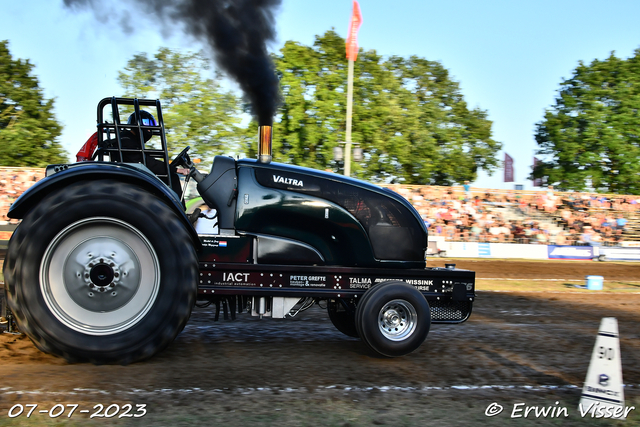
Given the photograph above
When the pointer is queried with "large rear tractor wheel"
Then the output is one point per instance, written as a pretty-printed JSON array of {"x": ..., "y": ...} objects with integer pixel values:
[
  {"x": 101, "y": 271},
  {"x": 393, "y": 318}
]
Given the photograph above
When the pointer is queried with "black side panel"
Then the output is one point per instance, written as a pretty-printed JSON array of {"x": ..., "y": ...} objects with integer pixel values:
[
  {"x": 235, "y": 249},
  {"x": 276, "y": 250},
  {"x": 395, "y": 232},
  {"x": 219, "y": 190},
  {"x": 390, "y": 242},
  {"x": 328, "y": 228}
]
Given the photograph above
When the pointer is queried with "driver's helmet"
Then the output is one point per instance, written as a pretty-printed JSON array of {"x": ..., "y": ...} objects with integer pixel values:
[{"x": 146, "y": 119}]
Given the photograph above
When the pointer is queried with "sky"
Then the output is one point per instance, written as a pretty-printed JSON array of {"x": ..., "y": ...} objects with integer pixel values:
[{"x": 509, "y": 57}]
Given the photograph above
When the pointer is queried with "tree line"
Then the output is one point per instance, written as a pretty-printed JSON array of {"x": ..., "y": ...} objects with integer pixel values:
[
  {"x": 590, "y": 138},
  {"x": 28, "y": 128},
  {"x": 409, "y": 117}
]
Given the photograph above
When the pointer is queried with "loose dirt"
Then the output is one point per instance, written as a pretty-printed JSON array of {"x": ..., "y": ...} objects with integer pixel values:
[
  {"x": 536, "y": 270},
  {"x": 517, "y": 347}
]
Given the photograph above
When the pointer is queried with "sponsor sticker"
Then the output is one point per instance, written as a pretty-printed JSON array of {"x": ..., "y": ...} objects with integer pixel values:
[
  {"x": 308, "y": 281},
  {"x": 288, "y": 181},
  {"x": 359, "y": 282},
  {"x": 570, "y": 252}
]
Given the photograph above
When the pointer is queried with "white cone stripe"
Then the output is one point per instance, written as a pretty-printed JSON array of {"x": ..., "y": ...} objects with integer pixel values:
[{"x": 602, "y": 399}]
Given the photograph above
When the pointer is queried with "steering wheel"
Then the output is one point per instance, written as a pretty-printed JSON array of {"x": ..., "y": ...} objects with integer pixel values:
[{"x": 182, "y": 158}]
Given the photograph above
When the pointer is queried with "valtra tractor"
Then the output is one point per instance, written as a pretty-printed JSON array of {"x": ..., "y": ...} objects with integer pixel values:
[{"x": 106, "y": 266}]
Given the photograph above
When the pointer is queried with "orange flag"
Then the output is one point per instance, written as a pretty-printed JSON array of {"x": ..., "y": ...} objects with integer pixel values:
[{"x": 352, "y": 38}]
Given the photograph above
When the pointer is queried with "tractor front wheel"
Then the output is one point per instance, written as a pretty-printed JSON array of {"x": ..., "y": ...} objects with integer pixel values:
[{"x": 394, "y": 318}]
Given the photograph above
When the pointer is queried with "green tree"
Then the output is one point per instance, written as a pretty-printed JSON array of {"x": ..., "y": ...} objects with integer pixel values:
[
  {"x": 196, "y": 111},
  {"x": 590, "y": 137},
  {"x": 408, "y": 116},
  {"x": 28, "y": 128}
]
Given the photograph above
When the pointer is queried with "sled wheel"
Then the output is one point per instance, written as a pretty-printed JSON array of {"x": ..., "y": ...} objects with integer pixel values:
[
  {"x": 394, "y": 319},
  {"x": 344, "y": 320},
  {"x": 101, "y": 271}
]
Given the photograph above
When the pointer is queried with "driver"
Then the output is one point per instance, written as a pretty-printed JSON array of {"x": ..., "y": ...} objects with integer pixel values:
[{"x": 130, "y": 140}]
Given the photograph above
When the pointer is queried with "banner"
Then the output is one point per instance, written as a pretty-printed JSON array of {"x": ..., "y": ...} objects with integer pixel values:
[
  {"x": 570, "y": 252},
  {"x": 352, "y": 38},
  {"x": 537, "y": 182},
  {"x": 508, "y": 168},
  {"x": 621, "y": 254},
  {"x": 495, "y": 250},
  {"x": 630, "y": 244},
  {"x": 518, "y": 250}
]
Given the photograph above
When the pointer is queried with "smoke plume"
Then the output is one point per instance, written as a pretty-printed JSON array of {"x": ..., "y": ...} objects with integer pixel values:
[{"x": 236, "y": 31}]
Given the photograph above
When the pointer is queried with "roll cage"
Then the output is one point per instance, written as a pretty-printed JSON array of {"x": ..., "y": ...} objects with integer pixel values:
[{"x": 110, "y": 139}]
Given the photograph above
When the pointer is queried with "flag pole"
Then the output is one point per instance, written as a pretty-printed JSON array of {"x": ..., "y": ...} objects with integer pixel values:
[
  {"x": 352, "y": 54},
  {"x": 347, "y": 157}
]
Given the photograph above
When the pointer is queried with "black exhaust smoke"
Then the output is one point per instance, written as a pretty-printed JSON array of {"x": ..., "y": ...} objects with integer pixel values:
[{"x": 236, "y": 31}]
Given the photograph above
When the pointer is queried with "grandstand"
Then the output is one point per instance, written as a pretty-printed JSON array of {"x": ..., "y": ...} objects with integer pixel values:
[
  {"x": 535, "y": 216},
  {"x": 480, "y": 215},
  {"x": 14, "y": 182}
]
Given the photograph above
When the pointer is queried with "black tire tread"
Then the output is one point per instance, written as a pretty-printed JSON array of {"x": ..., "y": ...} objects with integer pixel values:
[
  {"x": 21, "y": 256},
  {"x": 362, "y": 303},
  {"x": 367, "y": 318}
]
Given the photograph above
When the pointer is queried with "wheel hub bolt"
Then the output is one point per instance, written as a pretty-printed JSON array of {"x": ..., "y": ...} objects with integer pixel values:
[
  {"x": 392, "y": 318},
  {"x": 101, "y": 274}
]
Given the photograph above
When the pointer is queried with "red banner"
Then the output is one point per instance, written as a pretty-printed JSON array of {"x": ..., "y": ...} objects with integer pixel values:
[
  {"x": 352, "y": 38},
  {"x": 508, "y": 168},
  {"x": 537, "y": 182}
]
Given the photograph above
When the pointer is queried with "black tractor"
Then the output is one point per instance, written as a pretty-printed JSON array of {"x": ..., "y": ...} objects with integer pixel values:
[{"x": 106, "y": 266}]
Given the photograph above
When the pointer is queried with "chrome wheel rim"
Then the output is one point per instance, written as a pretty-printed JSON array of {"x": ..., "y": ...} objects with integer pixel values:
[
  {"x": 99, "y": 276},
  {"x": 397, "y": 320}
]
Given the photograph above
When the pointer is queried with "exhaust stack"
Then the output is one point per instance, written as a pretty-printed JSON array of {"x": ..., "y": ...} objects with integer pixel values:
[{"x": 264, "y": 144}]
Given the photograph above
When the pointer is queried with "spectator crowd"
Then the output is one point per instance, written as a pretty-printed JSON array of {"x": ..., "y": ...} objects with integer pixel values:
[
  {"x": 460, "y": 214},
  {"x": 14, "y": 182},
  {"x": 541, "y": 217}
]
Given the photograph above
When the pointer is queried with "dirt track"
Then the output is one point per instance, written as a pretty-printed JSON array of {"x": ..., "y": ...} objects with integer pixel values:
[
  {"x": 530, "y": 347},
  {"x": 532, "y": 270}
]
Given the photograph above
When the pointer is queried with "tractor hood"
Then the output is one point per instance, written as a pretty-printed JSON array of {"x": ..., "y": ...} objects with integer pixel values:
[
  {"x": 307, "y": 180},
  {"x": 359, "y": 223}
]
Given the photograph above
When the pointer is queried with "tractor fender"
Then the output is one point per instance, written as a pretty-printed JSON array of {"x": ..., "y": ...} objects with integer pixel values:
[{"x": 60, "y": 176}]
